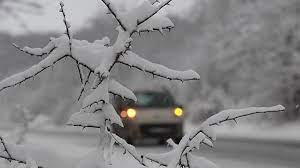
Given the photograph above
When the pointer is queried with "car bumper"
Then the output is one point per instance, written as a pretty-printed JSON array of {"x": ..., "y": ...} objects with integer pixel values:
[{"x": 133, "y": 130}]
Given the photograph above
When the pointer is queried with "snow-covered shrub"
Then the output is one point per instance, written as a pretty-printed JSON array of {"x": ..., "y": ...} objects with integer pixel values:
[{"x": 99, "y": 58}]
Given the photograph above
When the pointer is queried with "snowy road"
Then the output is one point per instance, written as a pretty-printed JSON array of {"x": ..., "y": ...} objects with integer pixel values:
[{"x": 228, "y": 153}]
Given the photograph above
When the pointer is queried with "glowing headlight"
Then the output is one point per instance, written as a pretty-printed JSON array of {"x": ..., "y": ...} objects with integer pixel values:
[
  {"x": 178, "y": 112},
  {"x": 131, "y": 113},
  {"x": 123, "y": 114}
]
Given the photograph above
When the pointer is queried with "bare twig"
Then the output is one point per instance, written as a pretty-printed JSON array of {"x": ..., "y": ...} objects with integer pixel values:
[
  {"x": 68, "y": 33},
  {"x": 85, "y": 83}
]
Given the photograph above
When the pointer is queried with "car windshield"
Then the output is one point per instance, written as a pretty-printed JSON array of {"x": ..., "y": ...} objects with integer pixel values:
[{"x": 154, "y": 99}]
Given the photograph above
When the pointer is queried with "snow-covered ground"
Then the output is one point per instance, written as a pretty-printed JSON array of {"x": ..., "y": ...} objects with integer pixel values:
[
  {"x": 243, "y": 146},
  {"x": 288, "y": 132}
]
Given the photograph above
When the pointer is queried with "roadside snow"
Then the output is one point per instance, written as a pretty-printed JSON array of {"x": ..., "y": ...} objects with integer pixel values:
[{"x": 288, "y": 132}]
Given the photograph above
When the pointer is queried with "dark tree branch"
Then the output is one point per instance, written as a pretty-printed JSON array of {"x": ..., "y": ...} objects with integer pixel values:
[
  {"x": 9, "y": 157},
  {"x": 114, "y": 12},
  {"x": 159, "y": 7},
  {"x": 168, "y": 28},
  {"x": 5, "y": 149},
  {"x": 85, "y": 83},
  {"x": 114, "y": 94},
  {"x": 68, "y": 33},
  {"x": 80, "y": 72},
  {"x": 95, "y": 102}
]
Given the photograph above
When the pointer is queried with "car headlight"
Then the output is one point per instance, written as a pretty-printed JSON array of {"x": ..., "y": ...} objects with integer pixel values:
[
  {"x": 131, "y": 113},
  {"x": 178, "y": 112}
]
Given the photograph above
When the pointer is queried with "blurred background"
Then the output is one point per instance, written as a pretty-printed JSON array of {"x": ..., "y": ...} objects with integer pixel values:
[{"x": 246, "y": 51}]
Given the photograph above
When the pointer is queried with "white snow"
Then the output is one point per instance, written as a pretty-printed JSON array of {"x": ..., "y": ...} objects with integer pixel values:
[
  {"x": 87, "y": 119},
  {"x": 133, "y": 60},
  {"x": 116, "y": 88},
  {"x": 98, "y": 96}
]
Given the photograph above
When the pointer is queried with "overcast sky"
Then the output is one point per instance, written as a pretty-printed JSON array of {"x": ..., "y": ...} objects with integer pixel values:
[{"x": 22, "y": 18}]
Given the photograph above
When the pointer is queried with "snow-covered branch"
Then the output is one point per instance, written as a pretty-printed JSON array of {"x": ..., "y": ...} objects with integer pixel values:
[
  {"x": 113, "y": 10},
  {"x": 153, "y": 11},
  {"x": 132, "y": 60},
  {"x": 117, "y": 89},
  {"x": 205, "y": 132},
  {"x": 33, "y": 71},
  {"x": 5, "y": 154},
  {"x": 37, "y": 52}
]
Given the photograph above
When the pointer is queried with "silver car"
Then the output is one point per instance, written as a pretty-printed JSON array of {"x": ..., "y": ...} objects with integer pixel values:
[{"x": 154, "y": 115}]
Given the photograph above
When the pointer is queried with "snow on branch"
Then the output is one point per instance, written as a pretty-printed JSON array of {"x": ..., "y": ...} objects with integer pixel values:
[
  {"x": 155, "y": 9},
  {"x": 132, "y": 60},
  {"x": 142, "y": 18},
  {"x": 5, "y": 154},
  {"x": 229, "y": 115},
  {"x": 99, "y": 95},
  {"x": 37, "y": 52},
  {"x": 156, "y": 23},
  {"x": 113, "y": 10},
  {"x": 206, "y": 135},
  {"x": 130, "y": 149},
  {"x": 33, "y": 71},
  {"x": 234, "y": 114},
  {"x": 116, "y": 88}
]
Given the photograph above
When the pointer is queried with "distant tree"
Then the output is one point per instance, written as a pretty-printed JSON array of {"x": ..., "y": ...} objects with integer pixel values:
[{"x": 255, "y": 46}]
